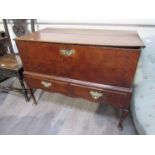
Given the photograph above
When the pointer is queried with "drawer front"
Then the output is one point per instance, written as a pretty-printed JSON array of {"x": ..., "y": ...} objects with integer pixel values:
[
  {"x": 117, "y": 99},
  {"x": 111, "y": 66},
  {"x": 46, "y": 84}
]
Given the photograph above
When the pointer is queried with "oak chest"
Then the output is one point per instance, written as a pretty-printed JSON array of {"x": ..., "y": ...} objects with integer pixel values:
[{"x": 97, "y": 65}]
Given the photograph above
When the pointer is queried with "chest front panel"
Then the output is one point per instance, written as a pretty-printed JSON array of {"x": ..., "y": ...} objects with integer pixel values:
[{"x": 105, "y": 65}]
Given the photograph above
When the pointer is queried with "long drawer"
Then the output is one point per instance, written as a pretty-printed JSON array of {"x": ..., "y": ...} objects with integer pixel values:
[
  {"x": 47, "y": 84},
  {"x": 104, "y": 65},
  {"x": 113, "y": 97}
]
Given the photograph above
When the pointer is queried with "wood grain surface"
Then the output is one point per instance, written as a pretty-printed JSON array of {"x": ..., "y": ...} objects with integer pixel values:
[
  {"x": 111, "y": 66},
  {"x": 115, "y": 38}
]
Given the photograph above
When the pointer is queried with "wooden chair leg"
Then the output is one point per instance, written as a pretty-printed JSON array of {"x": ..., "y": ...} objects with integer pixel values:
[
  {"x": 33, "y": 97},
  {"x": 25, "y": 93}
]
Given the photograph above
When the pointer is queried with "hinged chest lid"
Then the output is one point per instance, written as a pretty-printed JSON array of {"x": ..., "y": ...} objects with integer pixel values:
[{"x": 112, "y": 38}]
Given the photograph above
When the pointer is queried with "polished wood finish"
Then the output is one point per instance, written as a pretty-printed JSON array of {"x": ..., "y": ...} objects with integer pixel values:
[
  {"x": 95, "y": 61},
  {"x": 97, "y": 65},
  {"x": 112, "y": 38},
  {"x": 124, "y": 114},
  {"x": 9, "y": 61},
  {"x": 114, "y": 98},
  {"x": 55, "y": 86},
  {"x": 78, "y": 82},
  {"x": 77, "y": 89}
]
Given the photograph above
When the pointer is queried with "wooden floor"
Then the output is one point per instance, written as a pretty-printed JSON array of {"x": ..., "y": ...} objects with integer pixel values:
[{"x": 58, "y": 114}]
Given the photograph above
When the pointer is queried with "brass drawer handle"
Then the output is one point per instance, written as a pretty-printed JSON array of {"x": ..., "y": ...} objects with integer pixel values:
[
  {"x": 46, "y": 84},
  {"x": 67, "y": 52},
  {"x": 95, "y": 95}
]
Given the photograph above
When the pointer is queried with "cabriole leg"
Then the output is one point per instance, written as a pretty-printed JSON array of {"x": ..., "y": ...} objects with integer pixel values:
[{"x": 124, "y": 114}]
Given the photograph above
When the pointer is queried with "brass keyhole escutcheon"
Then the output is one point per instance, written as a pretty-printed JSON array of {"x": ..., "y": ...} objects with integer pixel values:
[
  {"x": 67, "y": 52},
  {"x": 96, "y": 95},
  {"x": 46, "y": 84}
]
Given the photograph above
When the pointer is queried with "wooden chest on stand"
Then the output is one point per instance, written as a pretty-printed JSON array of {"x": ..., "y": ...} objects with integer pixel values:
[{"x": 97, "y": 65}]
